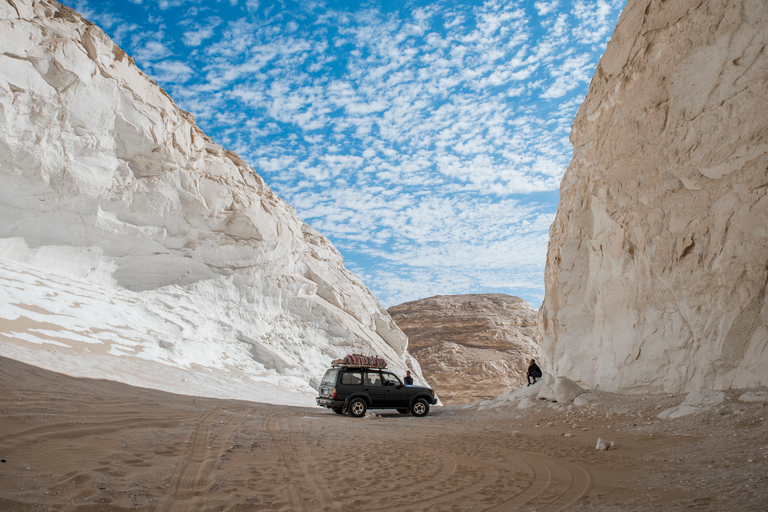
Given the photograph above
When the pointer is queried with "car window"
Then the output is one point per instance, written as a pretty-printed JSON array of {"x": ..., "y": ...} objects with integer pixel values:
[
  {"x": 352, "y": 378},
  {"x": 329, "y": 379},
  {"x": 372, "y": 379},
  {"x": 390, "y": 379}
]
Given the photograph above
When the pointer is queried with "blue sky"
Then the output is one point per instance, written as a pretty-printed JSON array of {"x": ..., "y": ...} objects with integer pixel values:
[{"x": 427, "y": 140}]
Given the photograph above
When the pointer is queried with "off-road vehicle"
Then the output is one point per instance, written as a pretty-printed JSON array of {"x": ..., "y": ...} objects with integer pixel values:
[{"x": 355, "y": 388}]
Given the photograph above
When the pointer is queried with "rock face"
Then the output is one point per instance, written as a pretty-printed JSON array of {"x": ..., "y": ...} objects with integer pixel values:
[
  {"x": 114, "y": 195},
  {"x": 470, "y": 347},
  {"x": 658, "y": 258}
]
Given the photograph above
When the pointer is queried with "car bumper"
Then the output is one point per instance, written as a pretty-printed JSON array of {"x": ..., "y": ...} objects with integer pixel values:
[{"x": 329, "y": 402}]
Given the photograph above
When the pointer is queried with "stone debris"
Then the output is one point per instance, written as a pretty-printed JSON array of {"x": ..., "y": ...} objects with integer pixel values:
[{"x": 603, "y": 444}]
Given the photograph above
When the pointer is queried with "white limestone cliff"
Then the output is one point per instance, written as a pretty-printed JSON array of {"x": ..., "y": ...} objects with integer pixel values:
[
  {"x": 658, "y": 259},
  {"x": 138, "y": 242}
]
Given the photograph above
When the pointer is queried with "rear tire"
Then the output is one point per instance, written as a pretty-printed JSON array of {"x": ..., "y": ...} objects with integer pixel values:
[
  {"x": 403, "y": 411},
  {"x": 357, "y": 408},
  {"x": 420, "y": 407}
]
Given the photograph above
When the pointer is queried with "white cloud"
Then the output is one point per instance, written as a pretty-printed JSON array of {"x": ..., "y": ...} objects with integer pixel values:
[
  {"x": 196, "y": 37},
  {"x": 544, "y": 8},
  {"x": 171, "y": 71},
  {"x": 151, "y": 51}
]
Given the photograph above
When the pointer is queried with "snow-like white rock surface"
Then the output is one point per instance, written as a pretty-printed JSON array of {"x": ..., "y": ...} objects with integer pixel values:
[
  {"x": 694, "y": 403},
  {"x": 134, "y": 248},
  {"x": 656, "y": 267}
]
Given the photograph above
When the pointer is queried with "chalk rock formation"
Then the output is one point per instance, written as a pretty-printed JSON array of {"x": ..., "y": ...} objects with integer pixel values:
[
  {"x": 559, "y": 389},
  {"x": 658, "y": 258},
  {"x": 470, "y": 347},
  {"x": 694, "y": 403},
  {"x": 112, "y": 196}
]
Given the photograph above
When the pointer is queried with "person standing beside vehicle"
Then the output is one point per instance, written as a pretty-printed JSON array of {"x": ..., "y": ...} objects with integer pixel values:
[{"x": 408, "y": 379}]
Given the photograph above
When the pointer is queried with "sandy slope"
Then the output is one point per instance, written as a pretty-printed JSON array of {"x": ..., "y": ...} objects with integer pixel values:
[{"x": 88, "y": 445}]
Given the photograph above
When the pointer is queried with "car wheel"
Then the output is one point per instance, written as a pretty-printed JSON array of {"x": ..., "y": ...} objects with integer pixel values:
[
  {"x": 337, "y": 410},
  {"x": 403, "y": 411},
  {"x": 357, "y": 407},
  {"x": 420, "y": 407}
]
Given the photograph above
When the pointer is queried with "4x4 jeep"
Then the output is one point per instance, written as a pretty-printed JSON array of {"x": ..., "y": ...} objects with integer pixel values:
[{"x": 355, "y": 390}]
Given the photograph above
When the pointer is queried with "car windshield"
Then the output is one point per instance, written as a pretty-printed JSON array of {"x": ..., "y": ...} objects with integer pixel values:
[
  {"x": 390, "y": 379},
  {"x": 329, "y": 379}
]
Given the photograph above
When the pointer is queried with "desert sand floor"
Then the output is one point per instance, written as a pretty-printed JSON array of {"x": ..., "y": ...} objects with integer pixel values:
[{"x": 70, "y": 444}]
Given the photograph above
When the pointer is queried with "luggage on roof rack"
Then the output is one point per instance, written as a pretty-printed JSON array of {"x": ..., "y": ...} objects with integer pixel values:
[{"x": 359, "y": 361}]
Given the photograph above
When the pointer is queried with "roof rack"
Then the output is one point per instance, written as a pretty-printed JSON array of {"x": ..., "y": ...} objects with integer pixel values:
[
  {"x": 359, "y": 361},
  {"x": 356, "y": 366}
]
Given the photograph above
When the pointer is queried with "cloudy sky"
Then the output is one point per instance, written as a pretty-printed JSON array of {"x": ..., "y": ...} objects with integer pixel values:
[{"x": 426, "y": 139}]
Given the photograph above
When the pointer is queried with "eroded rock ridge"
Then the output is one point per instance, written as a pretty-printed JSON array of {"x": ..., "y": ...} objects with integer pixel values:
[{"x": 470, "y": 347}]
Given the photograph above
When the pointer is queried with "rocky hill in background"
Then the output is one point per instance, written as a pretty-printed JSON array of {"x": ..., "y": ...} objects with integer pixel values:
[
  {"x": 470, "y": 347},
  {"x": 658, "y": 257},
  {"x": 134, "y": 248}
]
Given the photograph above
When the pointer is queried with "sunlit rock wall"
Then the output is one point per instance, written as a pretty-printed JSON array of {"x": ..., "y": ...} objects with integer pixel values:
[
  {"x": 658, "y": 259},
  {"x": 104, "y": 179}
]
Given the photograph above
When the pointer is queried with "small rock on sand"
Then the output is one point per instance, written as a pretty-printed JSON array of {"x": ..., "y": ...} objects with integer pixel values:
[{"x": 604, "y": 444}]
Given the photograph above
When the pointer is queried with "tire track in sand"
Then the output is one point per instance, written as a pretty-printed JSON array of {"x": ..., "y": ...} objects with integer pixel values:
[
  {"x": 303, "y": 454},
  {"x": 546, "y": 474},
  {"x": 206, "y": 450},
  {"x": 579, "y": 485},
  {"x": 542, "y": 478},
  {"x": 80, "y": 428},
  {"x": 295, "y": 460}
]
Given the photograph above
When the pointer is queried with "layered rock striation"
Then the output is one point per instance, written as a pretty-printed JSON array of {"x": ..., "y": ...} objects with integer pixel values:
[
  {"x": 470, "y": 347},
  {"x": 658, "y": 258},
  {"x": 110, "y": 189}
]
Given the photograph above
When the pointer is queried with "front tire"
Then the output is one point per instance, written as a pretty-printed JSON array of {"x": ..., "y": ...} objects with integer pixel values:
[
  {"x": 357, "y": 408},
  {"x": 420, "y": 407}
]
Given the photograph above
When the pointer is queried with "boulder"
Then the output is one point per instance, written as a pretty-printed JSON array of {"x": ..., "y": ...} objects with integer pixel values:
[
  {"x": 754, "y": 396},
  {"x": 559, "y": 389}
]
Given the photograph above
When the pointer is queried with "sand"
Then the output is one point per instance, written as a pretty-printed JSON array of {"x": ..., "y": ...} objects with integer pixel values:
[{"x": 70, "y": 444}]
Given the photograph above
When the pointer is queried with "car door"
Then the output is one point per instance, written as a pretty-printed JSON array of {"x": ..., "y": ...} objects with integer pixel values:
[
  {"x": 395, "y": 393},
  {"x": 374, "y": 388}
]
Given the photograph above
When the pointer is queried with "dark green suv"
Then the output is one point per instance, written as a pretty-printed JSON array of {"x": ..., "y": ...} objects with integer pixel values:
[{"x": 355, "y": 390}]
